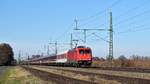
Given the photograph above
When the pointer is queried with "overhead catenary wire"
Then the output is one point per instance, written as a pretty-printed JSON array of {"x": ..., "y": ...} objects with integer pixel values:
[
  {"x": 133, "y": 9},
  {"x": 132, "y": 17},
  {"x": 65, "y": 32},
  {"x": 101, "y": 12},
  {"x": 87, "y": 20},
  {"x": 135, "y": 30},
  {"x": 123, "y": 21},
  {"x": 76, "y": 35},
  {"x": 87, "y": 24},
  {"x": 104, "y": 39},
  {"x": 132, "y": 23},
  {"x": 128, "y": 11}
]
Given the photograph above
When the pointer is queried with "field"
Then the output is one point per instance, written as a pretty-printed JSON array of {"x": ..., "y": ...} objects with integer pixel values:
[
  {"x": 37, "y": 74},
  {"x": 17, "y": 75}
]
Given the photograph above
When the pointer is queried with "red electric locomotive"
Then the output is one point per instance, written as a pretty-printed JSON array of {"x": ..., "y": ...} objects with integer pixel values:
[{"x": 79, "y": 56}]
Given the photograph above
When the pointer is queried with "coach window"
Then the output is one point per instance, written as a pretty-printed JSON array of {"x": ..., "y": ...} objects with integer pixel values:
[{"x": 81, "y": 51}]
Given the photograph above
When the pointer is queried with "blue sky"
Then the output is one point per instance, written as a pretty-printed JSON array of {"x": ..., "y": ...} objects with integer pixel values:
[{"x": 29, "y": 25}]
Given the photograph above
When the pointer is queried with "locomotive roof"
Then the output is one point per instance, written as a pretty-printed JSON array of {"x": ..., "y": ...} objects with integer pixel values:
[{"x": 79, "y": 47}]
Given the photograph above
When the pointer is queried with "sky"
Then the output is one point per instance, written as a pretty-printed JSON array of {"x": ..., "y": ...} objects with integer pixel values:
[{"x": 30, "y": 25}]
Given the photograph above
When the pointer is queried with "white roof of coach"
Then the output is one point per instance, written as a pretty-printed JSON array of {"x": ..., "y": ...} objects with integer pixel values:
[{"x": 62, "y": 52}]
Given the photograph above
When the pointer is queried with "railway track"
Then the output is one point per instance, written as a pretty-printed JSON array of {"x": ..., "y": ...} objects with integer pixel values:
[
  {"x": 132, "y": 69},
  {"x": 58, "y": 79},
  {"x": 109, "y": 76},
  {"x": 126, "y": 69}
]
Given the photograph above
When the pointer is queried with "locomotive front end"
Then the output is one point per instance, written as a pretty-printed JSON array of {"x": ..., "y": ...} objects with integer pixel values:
[{"x": 84, "y": 56}]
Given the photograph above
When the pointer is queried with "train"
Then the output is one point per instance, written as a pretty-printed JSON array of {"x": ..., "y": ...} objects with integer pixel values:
[
  {"x": 78, "y": 56},
  {"x": 6, "y": 54}
]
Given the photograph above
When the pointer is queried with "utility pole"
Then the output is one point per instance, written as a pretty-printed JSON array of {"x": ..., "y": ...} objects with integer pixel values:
[
  {"x": 19, "y": 56},
  {"x": 110, "y": 39},
  {"x": 56, "y": 49},
  {"x": 48, "y": 50},
  {"x": 84, "y": 35},
  {"x": 28, "y": 60},
  {"x": 71, "y": 44},
  {"x": 110, "y": 57},
  {"x": 76, "y": 23}
]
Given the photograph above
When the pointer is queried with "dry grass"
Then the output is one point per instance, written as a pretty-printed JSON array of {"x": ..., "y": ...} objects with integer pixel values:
[
  {"x": 18, "y": 75},
  {"x": 126, "y": 63},
  {"x": 139, "y": 63}
]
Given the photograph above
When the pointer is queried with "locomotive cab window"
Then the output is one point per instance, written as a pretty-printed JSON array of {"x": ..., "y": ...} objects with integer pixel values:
[
  {"x": 87, "y": 51},
  {"x": 81, "y": 51},
  {"x": 84, "y": 51}
]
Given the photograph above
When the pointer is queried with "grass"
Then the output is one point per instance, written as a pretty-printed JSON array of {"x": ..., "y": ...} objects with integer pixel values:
[{"x": 17, "y": 75}]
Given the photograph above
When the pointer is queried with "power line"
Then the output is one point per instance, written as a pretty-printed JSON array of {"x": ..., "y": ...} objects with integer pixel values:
[
  {"x": 86, "y": 24},
  {"x": 56, "y": 49},
  {"x": 56, "y": 44},
  {"x": 101, "y": 12},
  {"x": 79, "y": 38},
  {"x": 110, "y": 57},
  {"x": 140, "y": 14},
  {"x": 134, "y": 22},
  {"x": 65, "y": 32},
  {"x": 104, "y": 39},
  {"x": 134, "y": 29},
  {"x": 139, "y": 6},
  {"x": 87, "y": 21},
  {"x": 98, "y": 26},
  {"x": 130, "y": 31},
  {"x": 133, "y": 9},
  {"x": 85, "y": 30}
]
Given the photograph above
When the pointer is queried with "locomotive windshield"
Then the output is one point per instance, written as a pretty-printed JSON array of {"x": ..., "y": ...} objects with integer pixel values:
[
  {"x": 87, "y": 51},
  {"x": 84, "y": 51},
  {"x": 81, "y": 51}
]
